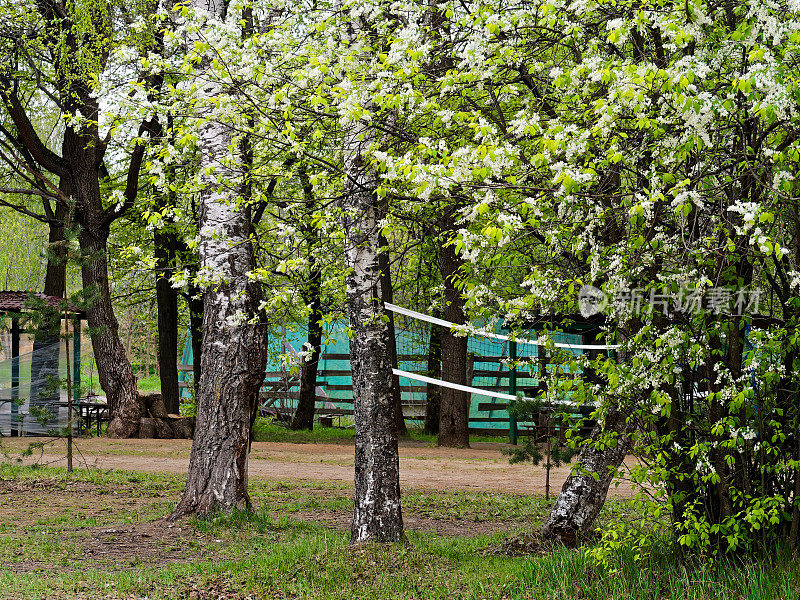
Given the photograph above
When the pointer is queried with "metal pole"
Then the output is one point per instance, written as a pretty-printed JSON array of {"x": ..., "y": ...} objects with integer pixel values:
[
  {"x": 512, "y": 390},
  {"x": 15, "y": 332}
]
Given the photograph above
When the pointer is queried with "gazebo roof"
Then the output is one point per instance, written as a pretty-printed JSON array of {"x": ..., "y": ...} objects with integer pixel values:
[{"x": 14, "y": 301}]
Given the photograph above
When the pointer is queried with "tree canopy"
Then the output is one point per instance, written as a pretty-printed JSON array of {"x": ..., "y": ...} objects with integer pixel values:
[{"x": 501, "y": 154}]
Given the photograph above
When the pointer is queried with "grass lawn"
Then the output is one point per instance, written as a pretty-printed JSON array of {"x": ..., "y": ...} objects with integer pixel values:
[
  {"x": 265, "y": 430},
  {"x": 101, "y": 534}
]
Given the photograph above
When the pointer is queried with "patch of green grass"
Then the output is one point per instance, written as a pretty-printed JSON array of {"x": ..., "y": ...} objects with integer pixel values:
[
  {"x": 477, "y": 506},
  {"x": 266, "y": 430},
  {"x": 138, "y": 483},
  {"x": 148, "y": 384},
  {"x": 420, "y": 436},
  {"x": 268, "y": 554}
]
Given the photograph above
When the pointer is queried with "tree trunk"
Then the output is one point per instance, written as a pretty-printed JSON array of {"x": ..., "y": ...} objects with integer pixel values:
[
  {"x": 167, "y": 303},
  {"x": 386, "y": 292},
  {"x": 196, "y": 327},
  {"x": 234, "y": 352},
  {"x": 113, "y": 368},
  {"x": 584, "y": 493},
  {"x": 454, "y": 412},
  {"x": 377, "y": 515},
  {"x": 433, "y": 392},
  {"x": 304, "y": 415}
]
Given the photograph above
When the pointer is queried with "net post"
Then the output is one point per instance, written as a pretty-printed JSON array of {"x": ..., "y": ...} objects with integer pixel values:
[
  {"x": 512, "y": 390},
  {"x": 15, "y": 333}
]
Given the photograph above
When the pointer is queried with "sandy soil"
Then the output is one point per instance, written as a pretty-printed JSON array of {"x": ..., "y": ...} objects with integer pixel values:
[{"x": 481, "y": 468}]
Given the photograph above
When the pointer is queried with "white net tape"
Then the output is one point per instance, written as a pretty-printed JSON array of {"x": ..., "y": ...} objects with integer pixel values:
[{"x": 470, "y": 330}]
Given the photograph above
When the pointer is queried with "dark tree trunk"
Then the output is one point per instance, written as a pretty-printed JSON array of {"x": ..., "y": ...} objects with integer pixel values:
[
  {"x": 377, "y": 515},
  {"x": 433, "y": 392},
  {"x": 55, "y": 277},
  {"x": 196, "y": 327},
  {"x": 165, "y": 247},
  {"x": 304, "y": 415},
  {"x": 454, "y": 412},
  {"x": 113, "y": 369},
  {"x": 166, "y": 244},
  {"x": 386, "y": 291}
]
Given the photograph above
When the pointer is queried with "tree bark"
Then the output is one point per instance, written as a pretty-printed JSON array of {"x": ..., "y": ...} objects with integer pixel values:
[
  {"x": 113, "y": 368},
  {"x": 196, "y": 326},
  {"x": 584, "y": 492},
  {"x": 386, "y": 291},
  {"x": 377, "y": 515},
  {"x": 167, "y": 303},
  {"x": 433, "y": 392},
  {"x": 304, "y": 415},
  {"x": 454, "y": 412},
  {"x": 234, "y": 347},
  {"x": 166, "y": 244}
]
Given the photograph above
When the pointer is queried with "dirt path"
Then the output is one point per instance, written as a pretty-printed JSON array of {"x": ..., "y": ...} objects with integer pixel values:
[{"x": 481, "y": 468}]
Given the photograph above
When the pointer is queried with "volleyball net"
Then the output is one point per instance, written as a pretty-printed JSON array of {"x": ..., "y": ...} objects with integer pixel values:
[{"x": 501, "y": 367}]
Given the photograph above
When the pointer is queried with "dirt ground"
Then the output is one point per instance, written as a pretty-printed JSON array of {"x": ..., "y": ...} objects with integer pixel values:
[{"x": 480, "y": 468}]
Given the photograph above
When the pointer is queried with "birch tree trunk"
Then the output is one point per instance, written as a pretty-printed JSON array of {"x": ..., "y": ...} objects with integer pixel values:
[
  {"x": 584, "y": 492},
  {"x": 377, "y": 516},
  {"x": 233, "y": 347}
]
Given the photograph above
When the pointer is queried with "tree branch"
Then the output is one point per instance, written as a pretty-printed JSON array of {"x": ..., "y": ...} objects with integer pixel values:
[
  {"x": 41, "y": 153},
  {"x": 22, "y": 209}
]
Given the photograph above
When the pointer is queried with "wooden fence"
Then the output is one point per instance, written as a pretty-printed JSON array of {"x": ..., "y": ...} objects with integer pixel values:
[{"x": 281, "y": 391}]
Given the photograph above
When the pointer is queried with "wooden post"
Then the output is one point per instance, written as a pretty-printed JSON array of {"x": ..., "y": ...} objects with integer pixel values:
[
  {"x": 512, "y": 390},
  {"x": 15, "y": 332}
]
